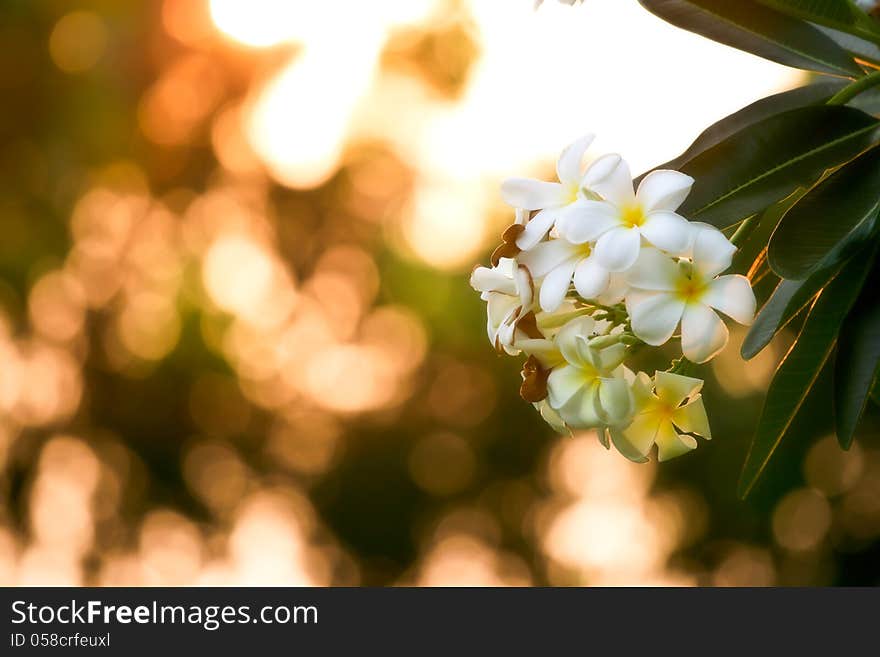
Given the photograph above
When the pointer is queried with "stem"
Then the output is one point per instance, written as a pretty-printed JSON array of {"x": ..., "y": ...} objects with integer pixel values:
[
  {"x": 850, "y": 91},
  {"x": 745, "y": 229},
  {"x": 683, "y": 367}
]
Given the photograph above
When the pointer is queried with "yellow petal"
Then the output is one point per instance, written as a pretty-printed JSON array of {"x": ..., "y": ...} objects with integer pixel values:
[
  {"x": 626, "y": 448},
  {"x": 670, "y": 444},
  {"x": 675, "y": 388},
  {"x": 640, "y": 435},
  {"x": 643, "y": 398},
  {"x": 692, "y": 418},
  {"x": 544, "y": 350}
]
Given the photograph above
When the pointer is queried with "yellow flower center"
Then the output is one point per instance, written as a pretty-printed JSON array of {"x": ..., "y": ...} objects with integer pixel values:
[
  {"x": 584, "y": 250},
  {"x": 689, "y": 289},
  {"x": 663, "y": 411},
  {"x": 632, "y": 216}
]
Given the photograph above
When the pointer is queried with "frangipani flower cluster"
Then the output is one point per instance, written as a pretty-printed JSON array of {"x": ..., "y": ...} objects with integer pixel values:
[{"x": 594, "y": 269}]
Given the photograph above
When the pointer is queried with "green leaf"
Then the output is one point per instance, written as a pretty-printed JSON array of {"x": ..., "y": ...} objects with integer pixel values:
[
  {"x": 798, "y": 370},
  {"x": 780, "y": 309},
  {"x": 838, "y": 14},
  {"x": 843, "y": 206},
  {"x": 856, "y": 363},
  {"x": 749, "y": 26},
  {"x": 755, "y": 244},
  {"x": 791, "y": 296},
  {"x": 770, "y": 159},
  {"x": 875, "y": 391},
  {"x": 811, "y": 94},
  {"x": 855, "y": 46},
  {"x": 868, "y": 101}
]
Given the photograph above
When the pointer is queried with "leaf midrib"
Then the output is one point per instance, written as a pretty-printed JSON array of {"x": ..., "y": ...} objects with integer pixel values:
[
  {"x": 783, "y": 165},
  {"x": 844, "y": 239},
  {"x": 795, "y": 409}
]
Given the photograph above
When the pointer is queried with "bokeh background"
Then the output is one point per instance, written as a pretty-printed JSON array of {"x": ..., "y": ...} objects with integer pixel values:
[{"x": 237, "y": 343}]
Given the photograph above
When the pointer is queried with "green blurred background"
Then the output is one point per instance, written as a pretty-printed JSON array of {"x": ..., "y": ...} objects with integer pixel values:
[{"x": 237, "y": 343}]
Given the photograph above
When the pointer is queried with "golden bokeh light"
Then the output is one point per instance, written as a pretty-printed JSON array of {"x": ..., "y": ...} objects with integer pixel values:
[
  {"x": 78, "y": 41},
  {"x": 801, "y": 520}
]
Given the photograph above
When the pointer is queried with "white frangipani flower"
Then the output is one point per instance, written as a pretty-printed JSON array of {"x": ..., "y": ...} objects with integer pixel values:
[
  {"x": 665, "y": 412},
  {"x": 555, "y": 262},
  {"x": 621, "y": 221},
  {"x": 509, "y": 295},
  {"x": 590, "y": 389},
  {"x": 548, "y": 198},
  {"x": 664, "y": 292},
  {"x": 576, "y": 249}
]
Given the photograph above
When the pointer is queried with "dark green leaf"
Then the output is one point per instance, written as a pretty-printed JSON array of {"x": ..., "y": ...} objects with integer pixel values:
[
  {"x": 746, "y": 25},
  {"x": 792, "y": 296},
  {"x": 768, "y": 160},
  {"x": 855, "y": 46},
  {"x": 843, "y": 206},
  {"x": 858, "y": 355},
  {"x": 837, "y": 14},
  {"x": 868, "y": 101},
  {"x": 811, "y": 94},
  {"x": 773, "y": 316},
  {"x": 750, "y": 248},
  {"x": 875, "y": 391},
  {"x": 798, "y": 370}
]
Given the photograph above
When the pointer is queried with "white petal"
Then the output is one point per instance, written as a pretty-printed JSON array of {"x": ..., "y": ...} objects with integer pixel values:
[
  {"x": 536, "y": 229},
  {"x": 617, "y": 290},
  {"x": 500, "y": 307},
  {"x": 525, "y": 286},
  {"x": 673, "y": 389},
  {"x": 568, "y": 339},
  {"x": 600, "y": 169},
  {"x": 500, "y": 311},
  {"x": 653, "y": 270},
  {"x": 584, "y": 220},
  {"x": 552, "y": 417},
  {"x": 713, "y": 252},
  {"x": 505, "y": 337},
  {"x": 562, "y": 384},
  {"x": 618, "y": 249},
  {"x": 667, "y": 231},
  {"x": 546, "y": 256},
  {"x": 507, "y": 266},
  {"x": 608, "y": 360},
  {"x": 582, "y": 410},
  {"x": 590, "y": 278},
  {"x": 615, "y": 401},
  {"x": 568, "y": 166},
  {"x": 485, "y": 279},
  {"x": 555, "y": 285},
  {"x": 703, "y": 334},
  {"x": 610, "y": 177},
  {"x": 732, "y": 295},
  {"x": 654, "y": 315},
  {"x": 530, "y": 194},
  {"x": 664, "y": 190}
]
